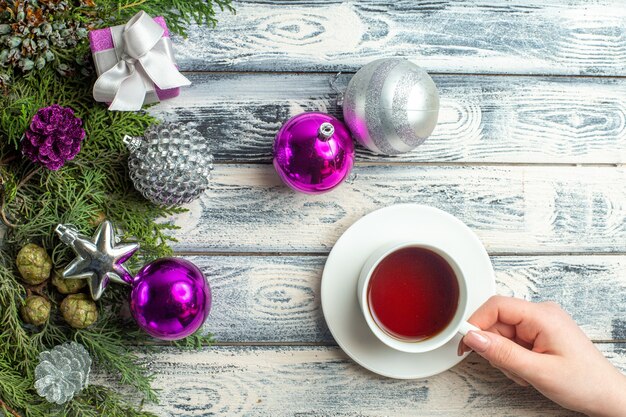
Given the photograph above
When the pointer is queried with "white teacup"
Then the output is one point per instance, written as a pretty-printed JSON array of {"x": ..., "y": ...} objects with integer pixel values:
[{"x": 457, "y": 324}]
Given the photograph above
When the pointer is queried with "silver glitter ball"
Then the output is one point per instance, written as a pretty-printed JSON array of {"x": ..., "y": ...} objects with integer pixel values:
[
  {"x": 171, "y": 164},
  {"x": 391, "y": 106},
  {"x": 62, "y": 372}
]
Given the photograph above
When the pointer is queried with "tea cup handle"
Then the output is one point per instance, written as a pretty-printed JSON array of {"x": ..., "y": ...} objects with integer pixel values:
[{"x": 465, "y": 327}]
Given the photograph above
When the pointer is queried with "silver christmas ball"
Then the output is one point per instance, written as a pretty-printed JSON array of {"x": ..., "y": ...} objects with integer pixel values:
[
  {"x": 391, "y": 106},
  {"x": 171, "y": 164}
]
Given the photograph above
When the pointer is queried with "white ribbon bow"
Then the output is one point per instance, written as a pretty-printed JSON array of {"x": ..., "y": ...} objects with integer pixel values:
[{"x": 144, "y": 53}]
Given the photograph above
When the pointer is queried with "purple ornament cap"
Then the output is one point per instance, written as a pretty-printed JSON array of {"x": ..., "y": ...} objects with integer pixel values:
[
  {"x": 313, "y": 152},
  {"x": 170, "y": 298}
]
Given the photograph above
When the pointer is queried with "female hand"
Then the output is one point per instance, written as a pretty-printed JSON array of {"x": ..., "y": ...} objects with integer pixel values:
[{"x": 541, "y": 345}]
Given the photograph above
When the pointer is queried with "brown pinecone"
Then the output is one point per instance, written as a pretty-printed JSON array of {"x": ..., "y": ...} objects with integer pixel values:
[
  {"x": 36, "y": 310},
  {"x": 67, "y": 286},
  {"x": 5, "y": 81},
  {"x": 31, "y": 31},
  {"x": 79, "y": 311},
  {"x": 34, "y": 264}
]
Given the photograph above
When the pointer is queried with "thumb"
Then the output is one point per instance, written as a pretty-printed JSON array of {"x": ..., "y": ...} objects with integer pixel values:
[{"x": 503, "y": 353}]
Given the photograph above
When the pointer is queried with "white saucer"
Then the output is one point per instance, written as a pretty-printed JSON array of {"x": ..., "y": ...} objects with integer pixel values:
[{"x": 341, "y": 273}]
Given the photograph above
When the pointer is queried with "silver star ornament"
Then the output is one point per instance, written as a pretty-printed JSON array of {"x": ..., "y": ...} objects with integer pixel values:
[{"x": 99, "y": 259}]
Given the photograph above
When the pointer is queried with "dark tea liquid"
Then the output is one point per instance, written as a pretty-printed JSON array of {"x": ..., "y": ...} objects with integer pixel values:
[{"x": 413, "y": 294}]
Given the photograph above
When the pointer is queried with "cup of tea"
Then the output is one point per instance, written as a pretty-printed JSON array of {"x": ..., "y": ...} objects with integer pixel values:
[{"x": 413, "y": 296}]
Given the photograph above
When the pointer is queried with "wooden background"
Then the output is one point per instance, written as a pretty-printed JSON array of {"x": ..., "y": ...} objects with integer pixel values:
[{"x": 529, "y": 152}]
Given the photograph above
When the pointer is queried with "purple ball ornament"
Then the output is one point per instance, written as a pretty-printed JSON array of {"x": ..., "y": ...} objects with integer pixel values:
[
  {"x": 313, "y": 152},
  {"x": 170, "y": 298}
]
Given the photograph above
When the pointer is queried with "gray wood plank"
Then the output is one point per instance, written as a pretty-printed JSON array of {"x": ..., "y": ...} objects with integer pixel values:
[
  {"x": 519, "y": 37},
  {"x": 277, "y": 298},
  {"x": 322, "y": 381},
  {"x": 483, "y": 119},
  {"x": 513, "y": 209}
]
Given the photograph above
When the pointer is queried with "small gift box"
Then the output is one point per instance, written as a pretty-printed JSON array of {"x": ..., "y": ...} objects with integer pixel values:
[{"x": 135, "y": 63}]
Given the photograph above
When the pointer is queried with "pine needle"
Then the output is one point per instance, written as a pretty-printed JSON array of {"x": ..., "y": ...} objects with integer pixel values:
[{"x": 94, "y": 185}]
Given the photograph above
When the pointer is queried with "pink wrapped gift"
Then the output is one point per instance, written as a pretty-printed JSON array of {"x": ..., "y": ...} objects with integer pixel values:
[{"x": 135, "y": 63}]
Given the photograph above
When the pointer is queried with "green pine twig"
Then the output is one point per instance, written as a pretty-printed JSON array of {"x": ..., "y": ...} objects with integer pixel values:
[
  {"x": 92, "y": 186},
  {"x": 201, "y": 12}
]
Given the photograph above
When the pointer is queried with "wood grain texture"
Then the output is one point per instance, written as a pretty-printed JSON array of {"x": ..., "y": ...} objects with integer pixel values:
[
  {"x": 322, "y": 381},
  {"x": 513, "y": 209},
  {"x": 483, "y": 119},
  {"x": 519, "y": 37},
  {"x": 486, "y": 122},
  {"x": 277, "y": 298}
]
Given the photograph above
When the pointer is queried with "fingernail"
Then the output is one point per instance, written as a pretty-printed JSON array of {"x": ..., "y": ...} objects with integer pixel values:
[{"x": 476, "y": 341}]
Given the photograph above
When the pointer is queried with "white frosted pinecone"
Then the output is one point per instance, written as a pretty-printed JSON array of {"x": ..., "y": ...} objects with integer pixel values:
[
  {"x": 171, "y": 164},
  {"x": 62, "y": 372}
]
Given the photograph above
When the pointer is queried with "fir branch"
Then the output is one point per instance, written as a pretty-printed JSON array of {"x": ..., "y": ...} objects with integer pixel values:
[
  {"x": 36, "y": 201},
  {"x": 6, "y": 408},
  {"x": 195, "y": 341},
  {"x": 177, "y": 13},
  {"x": 3, "y": 214},
  {"x": 14, "y": 390},
  {"x": 92, "y": 186},
  {"x": 109, "y": 339},
  {"x": 15, "y": 343},
  {"x": 96, "y": 401},
  {"x": 114, "y": 356}
]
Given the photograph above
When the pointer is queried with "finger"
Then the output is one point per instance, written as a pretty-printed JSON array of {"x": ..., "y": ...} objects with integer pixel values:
[
  {"x": 505, "y": 330},
  {"x": 504, "y": 353},
  {"x": 500, "y": 309},
  {"x": 523, "y": 343},
  {"x": 510, "y": 332},
  {"x": 515, "y": 312},
  {"x": 521, "y": 382},
  {"x": 515, "y": 378},
  {"x": 502, "y": 329},
  {"x": 460, "y": 350}
]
